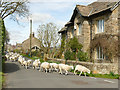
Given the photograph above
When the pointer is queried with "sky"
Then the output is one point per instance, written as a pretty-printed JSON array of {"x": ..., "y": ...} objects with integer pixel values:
[{"x": 42, "y": 11}]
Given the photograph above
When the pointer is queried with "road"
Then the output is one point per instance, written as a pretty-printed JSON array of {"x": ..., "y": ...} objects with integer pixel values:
[{"x": 19, "y": 77}]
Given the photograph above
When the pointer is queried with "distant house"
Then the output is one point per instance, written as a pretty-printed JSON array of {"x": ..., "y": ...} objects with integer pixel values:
[
  {"x": 35, "y": 45},
  {"x": 94, "y": 21},
  {"x": 19, "y": 46}
]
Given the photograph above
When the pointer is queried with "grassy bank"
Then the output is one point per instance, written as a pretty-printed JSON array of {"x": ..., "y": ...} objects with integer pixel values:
[
  {"x": 109, "y": 76},
  {"x": 2, "y": 79}
]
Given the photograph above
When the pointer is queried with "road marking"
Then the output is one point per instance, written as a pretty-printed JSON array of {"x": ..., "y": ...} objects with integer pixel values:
[
  {"x": 109, "y": 81},
  {"x": 93, "y": 77}
]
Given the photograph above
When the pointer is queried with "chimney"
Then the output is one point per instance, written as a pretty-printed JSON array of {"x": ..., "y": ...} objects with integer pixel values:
[{"x": 33, "y": 34}]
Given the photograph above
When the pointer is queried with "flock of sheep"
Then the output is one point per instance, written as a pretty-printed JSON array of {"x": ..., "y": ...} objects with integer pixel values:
[{"x": 45, "y": 66}]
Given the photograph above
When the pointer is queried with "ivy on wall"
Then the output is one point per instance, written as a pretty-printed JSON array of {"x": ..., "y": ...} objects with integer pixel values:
[{"x": 108, "y": 42}]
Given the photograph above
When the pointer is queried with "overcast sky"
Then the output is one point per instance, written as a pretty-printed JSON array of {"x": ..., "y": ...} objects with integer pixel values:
[{"x": 43, "y": 11}]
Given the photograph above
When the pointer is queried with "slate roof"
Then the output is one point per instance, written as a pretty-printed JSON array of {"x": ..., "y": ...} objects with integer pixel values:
[
  {"x": 89, "y": 10},
  {"x": 94, "y": 8}
]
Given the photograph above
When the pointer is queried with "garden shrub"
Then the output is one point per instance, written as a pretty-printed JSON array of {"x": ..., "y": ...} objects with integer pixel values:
[
  {"x": 82, "y": 56},
  {"x": 67, "y": 54},
  {"x": 70, "y": 55}
]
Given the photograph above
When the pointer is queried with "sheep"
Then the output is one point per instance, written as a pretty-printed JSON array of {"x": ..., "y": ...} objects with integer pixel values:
[
  {"x": 45, "y": 65},
  {"x": 51, "y": 66},
  {"x": 7, "y": 56},
  {"x": 56, "y": 67},
  {"x": 29, "y": 62},
  {"x": 25, "y": 64},
  {"x": 81, "y": 69},
  {"x": 66, "y": 68},
  {"x": 36, "y": 64},
  {"x": 21, "y": 61}
]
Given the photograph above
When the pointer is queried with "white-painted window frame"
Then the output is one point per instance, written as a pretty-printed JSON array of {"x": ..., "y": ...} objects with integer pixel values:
[
  {"x": 100, "y": 55},
  {"x": 79, "y": 29},
  {"x": 100, "y": 26}
]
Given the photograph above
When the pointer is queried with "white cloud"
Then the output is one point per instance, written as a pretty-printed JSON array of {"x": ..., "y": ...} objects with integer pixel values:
[{"x": 37, "y": 17}]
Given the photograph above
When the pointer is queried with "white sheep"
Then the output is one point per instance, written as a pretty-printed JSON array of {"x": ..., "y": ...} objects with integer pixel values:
[
  {"x": 29, "y": 62},
  {"x": 66, "y": 68},
  {"x": 46, "y": 66},
  {"x": 25, "y": 64},
  {"x": 56, "y": 67},
  {"x": 21, "y": 61},
  {"x": 51, "y": 66},
  {"x": 36, "y": 64},
  {"x": 81, "y": 69}
]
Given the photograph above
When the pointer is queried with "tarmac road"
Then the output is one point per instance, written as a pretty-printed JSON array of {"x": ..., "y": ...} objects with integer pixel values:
[{"x": 19, "y": 77}]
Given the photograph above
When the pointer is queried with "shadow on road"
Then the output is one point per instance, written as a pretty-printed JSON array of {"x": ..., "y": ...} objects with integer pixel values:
[{"x": 11, "y": 67}]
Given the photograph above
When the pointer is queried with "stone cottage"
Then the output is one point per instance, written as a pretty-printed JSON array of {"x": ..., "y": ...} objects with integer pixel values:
[
  {"x": 96, "y": 27},
  {"x": 18, "y": 46},
  {"x": 35, "y": 44}
]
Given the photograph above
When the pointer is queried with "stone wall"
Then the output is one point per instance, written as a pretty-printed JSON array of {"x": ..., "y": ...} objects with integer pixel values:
[{"x": 100, "y": 68}]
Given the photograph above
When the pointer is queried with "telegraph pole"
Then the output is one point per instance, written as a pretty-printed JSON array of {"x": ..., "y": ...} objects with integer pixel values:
[{"x": 30, "y": 35}]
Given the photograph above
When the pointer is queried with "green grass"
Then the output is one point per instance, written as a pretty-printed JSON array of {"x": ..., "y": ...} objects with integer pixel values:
[
  {"x": 109, "y": 76},
  {"x": 2, "y": 79}
]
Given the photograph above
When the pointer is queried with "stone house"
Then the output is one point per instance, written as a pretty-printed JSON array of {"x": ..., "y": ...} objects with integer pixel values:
[
  {"x": 35, "y": 44},
  {"x": 18, "y": 46},
  {"x": 95, "y": 25}
]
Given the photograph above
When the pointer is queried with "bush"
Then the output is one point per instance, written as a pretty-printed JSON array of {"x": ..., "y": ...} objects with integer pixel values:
[
  {"x": 69, "y": 55},
  {"x": 112, "y": 74},
  {"x": 72, "y": 56},
  {"x": 82, "y": 56}
]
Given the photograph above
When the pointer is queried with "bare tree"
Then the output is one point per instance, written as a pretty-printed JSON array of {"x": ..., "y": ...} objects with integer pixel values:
[
  {"x": 49, "y": 38},
  {"x": 10, "y": 8}
]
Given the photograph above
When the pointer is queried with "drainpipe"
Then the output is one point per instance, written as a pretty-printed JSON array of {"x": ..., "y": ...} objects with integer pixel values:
[{"x": 90, "y": 37}]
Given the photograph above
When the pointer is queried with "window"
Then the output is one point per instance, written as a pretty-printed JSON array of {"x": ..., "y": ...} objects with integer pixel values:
[
  {"x": 100, "y": 54},
  {"x": 80, "y": 29},
  {"x": 100, "y": 26}
]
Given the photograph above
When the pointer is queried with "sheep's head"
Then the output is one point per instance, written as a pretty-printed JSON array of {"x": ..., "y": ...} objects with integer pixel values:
[{"x": 88, "y": 71}]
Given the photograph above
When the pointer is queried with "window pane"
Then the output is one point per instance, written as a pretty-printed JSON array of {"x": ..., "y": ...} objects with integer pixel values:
[
  {"x": 101, "y": 53},
  {"x": 97, "y": 53},
  {"x": 100, "y": 26}
]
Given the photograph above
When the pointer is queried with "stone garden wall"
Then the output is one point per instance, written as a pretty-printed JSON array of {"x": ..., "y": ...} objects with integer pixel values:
[{"x": 100, "y": 68}]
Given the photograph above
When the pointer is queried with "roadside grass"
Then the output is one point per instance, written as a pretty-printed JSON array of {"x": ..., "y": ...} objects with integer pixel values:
[
  {"x": 2, "y": 79},
  {"x": 109, "y": 76}
]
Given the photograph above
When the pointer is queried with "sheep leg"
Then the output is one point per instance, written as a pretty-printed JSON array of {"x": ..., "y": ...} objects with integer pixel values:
[
  {"x": 85, "y": 74},
  {"x": 33, "y": 67},
  {"x": 80, "y": 73},
  {"x": 40, "y": 68},
  {"x": 66, "y": 72},
  {"x": 26, "y": 67},
  {"x": 60, "y": 71},
  {"x": 75, "y": 72},
  {"x": 46, "y": 70}
]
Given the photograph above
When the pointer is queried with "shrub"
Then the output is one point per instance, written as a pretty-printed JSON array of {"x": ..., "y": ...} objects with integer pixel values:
[
  {"x": 111, "y": 73},
  {"x": 73, "y": 56},
  {"x": 82, "y": 56},
  {"x": 67, "y": 55}
]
